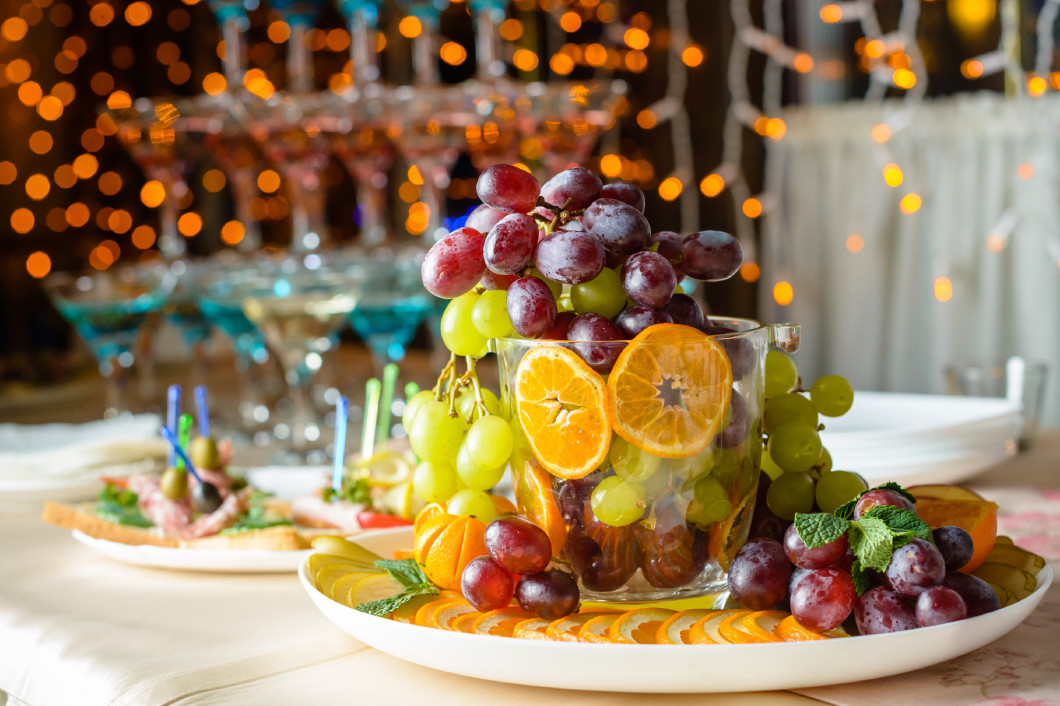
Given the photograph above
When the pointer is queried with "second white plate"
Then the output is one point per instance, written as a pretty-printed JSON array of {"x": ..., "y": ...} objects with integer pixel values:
[{"x": 230, "y": 561}]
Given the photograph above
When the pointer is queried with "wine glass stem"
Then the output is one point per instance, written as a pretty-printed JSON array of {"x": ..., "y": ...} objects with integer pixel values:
[
  {"x": 488, "y": 45},
  {"x": 244, "y": 190},
  {"x": 233, "y": 60},
  {"x": 200, "y": 363},
  {"x": 424, "y": 58},
  {"x": 115, "y": 377},
  {"x": 302, "y": 415},
  {"x": 299, "y": 60},
  {"x": 372, "y": 202},
  {"x": 307, "y": 216},
  {"x": 170, "y": 241},
  {"x": 362, "y": 52}
]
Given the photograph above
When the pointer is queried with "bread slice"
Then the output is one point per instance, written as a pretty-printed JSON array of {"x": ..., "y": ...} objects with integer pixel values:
[{"x": 84, "y": 519}]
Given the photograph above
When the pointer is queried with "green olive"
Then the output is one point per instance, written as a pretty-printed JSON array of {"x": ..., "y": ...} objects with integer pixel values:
[
  {"x": 175, "y": 483},
  {"x": 204, "y": 453}
]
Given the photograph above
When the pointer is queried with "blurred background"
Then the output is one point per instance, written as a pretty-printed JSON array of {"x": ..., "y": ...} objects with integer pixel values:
[{"x": 890, "y": 167}]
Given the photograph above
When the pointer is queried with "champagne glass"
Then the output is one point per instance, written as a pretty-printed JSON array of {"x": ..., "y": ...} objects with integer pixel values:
[
  {"x": 565, "y": 119},
  {"x": 107, "y": 309},
  {"x": 362, "y": 19},
  {"x": 489, "y": 14}
]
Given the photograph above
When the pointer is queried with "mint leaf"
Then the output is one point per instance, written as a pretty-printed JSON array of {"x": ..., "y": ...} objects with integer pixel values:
[
  {"x": 870, "y": 538},
  {"x": 406, "y": 571},
  {"x": 862, "y": 582},
  {"x": 891, "y": 485},
  {"x": 904, "y": 524},
  {"x": 819, "y": 528},
  {"x": 385, "y": 606},
  {"x": 846, "y": 510}
]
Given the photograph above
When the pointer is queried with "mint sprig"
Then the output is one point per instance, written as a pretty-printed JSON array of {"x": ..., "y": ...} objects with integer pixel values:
[
  {"x": 409, "y": 574},
  {"x": 846, "y": 510},
  {"x": 862, "y": 582},
  {"x": 904, "y": 524},
  {"x": 871, "y": 540},
  {"x": 819, "y": 528}
]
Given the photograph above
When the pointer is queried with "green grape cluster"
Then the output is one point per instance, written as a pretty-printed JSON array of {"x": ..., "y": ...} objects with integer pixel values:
[
  {"x": 460, "y": 436},
  {"x": 798, "y": 465}
]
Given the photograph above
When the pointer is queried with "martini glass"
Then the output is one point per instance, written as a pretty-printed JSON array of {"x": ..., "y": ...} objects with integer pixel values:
[
  {"x": 107, "y": 309},
  {"x": 232, "y": 18},
  {"x": 299, "y": 15},
  {"x": 362, "y": 19},
  {"x": 565, "y": 119},
  {"x": 300, "y": 304},
  {"x": 489, "y": 14}
]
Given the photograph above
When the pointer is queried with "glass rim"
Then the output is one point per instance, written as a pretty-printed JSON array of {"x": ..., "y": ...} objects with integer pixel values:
[{"x": 755, "y": 327}]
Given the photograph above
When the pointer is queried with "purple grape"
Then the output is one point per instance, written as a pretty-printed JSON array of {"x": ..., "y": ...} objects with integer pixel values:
[
  {"x": 483, "y": 218},
  {"x": 711, "y": 255},
  {"x": 759, "y": 574},
  {"x": 741, "y": 353},
  {"x": 637, "y": 318},
  {"x": 614, "y": 260},
  {"x": 518, "y": 545},
  {"x": 821, "y": 599},
  {"x": 558, "y": 332},
  {"x": 648, "y": 279},
  {"x": 508, "y": 189},
  {"x": 626, "y": 192},
  {"x": 486, "y": 584},
  {"x": 873, "y": 498},
  {"x": 573, "y": 497},
  {"x": 938, "y": 605},
  {"x": 736, "y": 431},
  {"x": 683, "y": 309},
  {"x": 620, "y": 227},
  {"x": 454, "y": 264},
  {"x": 510, "y": 243},
  {"x": 915, "y": 567},
  {"x": 550, "y": 594},
  {"x": 578, "y": 184},
  {"x": 531, "y": 307},
  {"x": 569, "y": 257},
  {"x": 880, "y": 610},
  {"x": 492, "y": 280},
  {"x": 601, "y": 354},
  {"x": 955, "y": 545},
  {"x": 817, "y": 558},
  {"x": 669, "y": 246},
  {"x": 978, "y": 597}
]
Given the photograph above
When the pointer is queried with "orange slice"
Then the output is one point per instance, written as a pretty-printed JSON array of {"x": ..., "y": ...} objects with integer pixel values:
[
  {"x": 669, "y": 390},
  {"x": 674, "y": 631},
  {"x": 429, "y": 512},
  {"x": 638, "y": 627},
  {"x": 789, "y": 630},
  {"x": 501, "y": 622},
  {"x": 940, "y": 505},
  {"x": 424, "y": 615},
  {"x": 406, "y": 612},
  {"x": 532, "y": 629},
  {"x": 562, "y": 407},
  {"x": 761, "y": 624},
  {"x": 732, "y": 630},
  {"x": 596, "y": 629},
  {"x": 465, "y": 622},
  {"x": 533, "y": 492},
  {"x": 705, "y": 631},
  {"x": 502, "y": 504},
  {"x": 444, "y": 616},
  {"x": 567, "y": 629}
]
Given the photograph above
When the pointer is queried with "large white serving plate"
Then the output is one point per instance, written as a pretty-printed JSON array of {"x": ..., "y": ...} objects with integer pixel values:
[
  {"x": 228, "y": 561},
  {"x": 665, "y": 668}
]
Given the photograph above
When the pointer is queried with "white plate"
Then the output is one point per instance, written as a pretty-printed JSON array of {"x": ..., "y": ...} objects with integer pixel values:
[
  {"x": 289, "y": 482},
  {"x": 230, "y": 561},
  {"x": 666, "y": 668},
  {"x": 879, "y": 417}
]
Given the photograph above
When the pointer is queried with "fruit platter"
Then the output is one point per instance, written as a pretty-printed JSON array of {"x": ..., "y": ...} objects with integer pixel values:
[{"x": 677, "y": 521}]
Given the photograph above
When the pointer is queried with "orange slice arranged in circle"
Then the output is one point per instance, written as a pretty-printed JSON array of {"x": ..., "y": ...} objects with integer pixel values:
[
  {"x": 501, "y": 622},
  {"x": 567, "y": 629},
  {"x": 705, "y": 631},
  {"x": 639, "y": 627},
  {"x": 789, "y": 630},
  {"x": 532, "y": 629},
  {"x": 669, "y": 390},
  {"x": 533, "y": 492},
  {"x": 562, "y": 407},
  {"x": 675, "y": 630},
  {"x": 762, "y": 624},
  {"x": 596, "y": 629}
]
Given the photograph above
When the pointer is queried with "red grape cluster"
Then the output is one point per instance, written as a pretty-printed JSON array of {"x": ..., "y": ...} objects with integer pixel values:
[
  {"x": 577, "y": 259},
  {"x": 517, "y": 565},
  {"x": 920, "y": 587}
]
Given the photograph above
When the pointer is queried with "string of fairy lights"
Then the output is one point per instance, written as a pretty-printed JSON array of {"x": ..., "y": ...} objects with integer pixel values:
[{"x": 891, "y": 59}]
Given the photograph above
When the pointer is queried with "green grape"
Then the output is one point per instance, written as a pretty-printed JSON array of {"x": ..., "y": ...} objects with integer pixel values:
[
  {"x": 472, "y": 502},
  {"x": 412, "y": 406},
  {"x": 833, "y": 395},
  {"x": 563, "y": 303},
  {"x": 790, "y": 407},
  {"x": 781, "y": 374},
  {"x": 790, "y": 493},
  {"x": 602, "y": 295},
  {"x": 684, "y": 468},
  {"x": 617, "y": 502},
  {"x": 795, "y": 448},
  {"x": 838, "y": 487},
  {"x": 458, "y": 330},
  {"x": 630, "y": 463},
  {"x": 489, "y": 442},
  {"x": 710, "y": 502},
  {"x": 465, "y": 402},
  {"x": 474, "y": 476},
  {"x": 824, "y": 463},
  {"x": 770, "y": 467},
  {"x": 727, "y": 466},
  {"x": 434, "y": 482},
  {"x": 435, "y": 436},
  {"x": 555, "y": 287},
  {"x": 490, "y": 314}
]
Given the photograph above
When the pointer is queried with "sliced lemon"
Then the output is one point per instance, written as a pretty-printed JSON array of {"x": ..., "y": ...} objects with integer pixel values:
[{"x": 384, "y": 468}]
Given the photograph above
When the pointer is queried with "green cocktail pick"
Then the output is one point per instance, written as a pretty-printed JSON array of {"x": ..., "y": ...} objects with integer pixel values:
[
  {"x": 372, "y": 390},
  {"x": 390, "y": 374},
  {"x": 183, "y": 435}
]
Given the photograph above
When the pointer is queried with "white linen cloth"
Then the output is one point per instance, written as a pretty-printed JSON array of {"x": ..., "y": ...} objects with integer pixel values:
[{"x": 872, "y": 316}]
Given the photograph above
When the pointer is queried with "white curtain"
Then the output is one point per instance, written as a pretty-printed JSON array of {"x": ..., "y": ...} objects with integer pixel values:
[{"x": 873, "y": 316}]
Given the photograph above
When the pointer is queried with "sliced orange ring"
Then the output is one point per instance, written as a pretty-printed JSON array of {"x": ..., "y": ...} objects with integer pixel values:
[
  {"x": 567, "y": 629},
  {"x": 533, "y": 492},
  {"x": 760, "y": 624},
  {"x": 427, "y": 513},
  {"x": 423, "y": 613},
  {"x": 532, "y": 629},
  {"x": 638, "y": 627},
  {"x": 443, "y": 617},
  {"x": 562, "y": 407},
  {"x": 674, "y": 631},
  {"x": 732, "y": 631},
  {"x": 669, "y": 390},
  {"x": 465, "y": 622},
  {"x": 705, "y": 630},
  {"x": 595, "y": 629},
  {"x": 406, "y": 612},
  {"x": 789, "y": 630},
  {"x": 500, "y": 622}
]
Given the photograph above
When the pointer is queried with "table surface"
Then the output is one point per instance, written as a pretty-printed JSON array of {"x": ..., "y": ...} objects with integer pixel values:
[{"x": 78, "y": 628}]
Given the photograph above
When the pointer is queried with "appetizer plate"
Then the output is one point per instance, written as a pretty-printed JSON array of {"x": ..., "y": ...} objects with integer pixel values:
[
  {"x": 665, "y": 668},
  {"x": 229, "y": 561}
]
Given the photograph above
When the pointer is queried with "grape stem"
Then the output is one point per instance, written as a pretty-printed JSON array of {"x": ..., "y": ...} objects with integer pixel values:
[
  {"x": 562, "y": 217},
  {"x": 449, "y": 368},
  {"x": 480, "y": 402}
]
